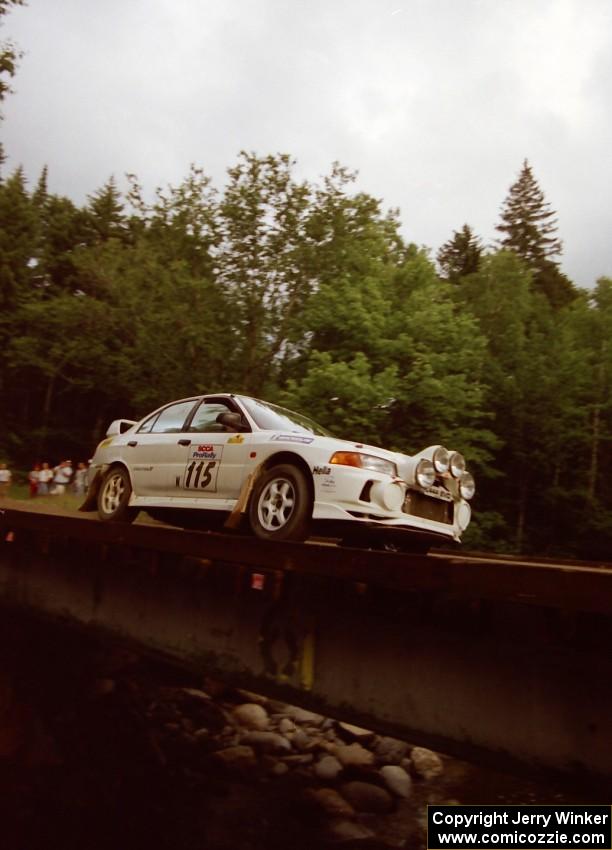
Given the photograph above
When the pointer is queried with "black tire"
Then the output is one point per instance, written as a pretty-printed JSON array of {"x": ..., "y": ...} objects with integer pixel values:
[
  {"x": 280, "y": 507},
  {"x": 114, "y": 496}
]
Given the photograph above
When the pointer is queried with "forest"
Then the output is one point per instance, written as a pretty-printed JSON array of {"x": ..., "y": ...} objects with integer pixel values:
[{"x": 307, "y": 293}]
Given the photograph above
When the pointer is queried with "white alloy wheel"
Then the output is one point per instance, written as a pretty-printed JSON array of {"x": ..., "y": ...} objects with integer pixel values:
[
  {"x": 114, "y": 496},
  {"x": 276, "y": 504},
  {"x": 280, "y": 507},
  {"x": 113, "y": 492}
]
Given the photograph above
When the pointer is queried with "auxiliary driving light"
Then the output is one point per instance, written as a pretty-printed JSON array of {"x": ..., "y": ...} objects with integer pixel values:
[
  {"x": 425, "y": 473},
  {"x": 441, "y": 460},
  {"x": 467, "y": 486},
  {"x": 457, "y": 465}
]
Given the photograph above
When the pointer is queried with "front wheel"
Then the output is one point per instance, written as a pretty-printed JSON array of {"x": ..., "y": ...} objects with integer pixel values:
[
  {"x": 114, "y": 496},
  {"x": 281, "y": 506}
]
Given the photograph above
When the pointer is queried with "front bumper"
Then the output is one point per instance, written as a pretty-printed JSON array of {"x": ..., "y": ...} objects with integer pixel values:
[{"x": 360, "y": 497}]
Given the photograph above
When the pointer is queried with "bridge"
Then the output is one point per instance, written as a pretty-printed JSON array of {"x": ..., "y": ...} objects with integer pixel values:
[{"x": 494, "y": 659}]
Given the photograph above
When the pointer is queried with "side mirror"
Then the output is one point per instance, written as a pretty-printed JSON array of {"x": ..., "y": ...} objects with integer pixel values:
[{"x": 232, "y": 421}]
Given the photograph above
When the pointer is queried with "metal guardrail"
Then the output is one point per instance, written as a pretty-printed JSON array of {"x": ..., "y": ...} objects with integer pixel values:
[
  {"x": 575, "y": 585},
  {"x": 483, "y": 657}
]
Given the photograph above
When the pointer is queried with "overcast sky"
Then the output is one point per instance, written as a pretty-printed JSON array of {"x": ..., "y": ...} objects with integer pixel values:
[{"x": 435, "y": 102}]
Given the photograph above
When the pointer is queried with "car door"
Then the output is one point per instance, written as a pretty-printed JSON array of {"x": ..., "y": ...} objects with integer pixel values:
[
  {"x": 215, "y": 460},
  {"x": 155, "y": 453}
]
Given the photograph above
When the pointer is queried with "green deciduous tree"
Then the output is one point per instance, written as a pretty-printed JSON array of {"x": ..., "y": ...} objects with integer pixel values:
[
  {"x": 306, "y": 293},
  {"x": 348, "y": 396},
  {"x": 440, "y": 352},
  {"x": 162, "y": 331},
  {"x": 593, "y": 323},
  {"x": 9, "y": 57},
  {"x": 534, "y": 374},
  {"x": 424, "y": 356},
  {"x": 262, "y": 218},
  {"x": 182, "y": 222}
]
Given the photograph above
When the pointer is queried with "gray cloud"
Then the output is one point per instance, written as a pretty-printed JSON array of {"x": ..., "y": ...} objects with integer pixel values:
[{"x": 435, "y": 102}]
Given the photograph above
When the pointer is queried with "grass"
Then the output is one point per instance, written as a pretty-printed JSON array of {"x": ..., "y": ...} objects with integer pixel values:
[{"x": 67, "y": 503}]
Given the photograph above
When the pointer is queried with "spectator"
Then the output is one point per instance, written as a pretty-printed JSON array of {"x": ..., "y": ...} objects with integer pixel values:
[
  {"x": 61, "y": 476},
  {"x": 5, "y": 480},
  {"x": 45, "y": 476},
  {"x": 33, "y": 480},
  {"x": 80, "y": 479}
]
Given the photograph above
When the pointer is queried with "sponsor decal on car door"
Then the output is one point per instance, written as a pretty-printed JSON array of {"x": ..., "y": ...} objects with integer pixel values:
[
  {"x": 202, "y": 468},
  {"x": 215, "y": 466}
]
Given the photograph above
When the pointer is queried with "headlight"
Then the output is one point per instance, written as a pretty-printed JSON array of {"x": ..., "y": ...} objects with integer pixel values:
[
  {"x": 441, "y": 460},
  {"x": 425, "y": 473},
  {"x": 467, "y": 486},
  {"x": 457, "y": 465},
  {"x": 363, "y": 461}
]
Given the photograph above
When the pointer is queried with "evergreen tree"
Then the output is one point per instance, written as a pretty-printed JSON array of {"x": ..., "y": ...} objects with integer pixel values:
[
  {"x": 528, "y": 225},
  {"x": 64, "y": 229},
  {"x": 41, "y": 193},
  {"x": 461, "y": 255},
  {"x": 106, "y": 219},
  {"x": 18, "y": 238},
  {"x": 557, "y": 287},
  {"x": 529, "y": 228}
]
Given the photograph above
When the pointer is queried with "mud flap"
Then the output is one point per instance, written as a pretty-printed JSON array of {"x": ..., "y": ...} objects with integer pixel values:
[
  {"x": 235, "y": 518},
  {"x": 91, "y": 499}
]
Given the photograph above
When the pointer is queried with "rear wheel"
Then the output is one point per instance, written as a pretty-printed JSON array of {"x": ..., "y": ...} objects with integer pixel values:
[
  {"x": 114, "y": 496},
  {"x": 281, "y": 506}
]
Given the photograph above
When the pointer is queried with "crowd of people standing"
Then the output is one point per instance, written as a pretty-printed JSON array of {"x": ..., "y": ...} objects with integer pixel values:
[
  {"x": 5, "y": 479},
  {"x": 44, "y": 480}
]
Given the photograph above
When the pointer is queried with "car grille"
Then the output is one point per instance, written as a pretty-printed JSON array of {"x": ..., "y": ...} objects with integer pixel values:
[{"x": 437, "y": 510}]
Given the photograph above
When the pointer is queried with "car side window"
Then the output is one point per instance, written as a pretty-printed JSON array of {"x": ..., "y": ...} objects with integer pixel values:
[
  {"x": 205, "y": 418},
  {"x": 170, "y": 420},
  {"x": 146, "y": 426}
]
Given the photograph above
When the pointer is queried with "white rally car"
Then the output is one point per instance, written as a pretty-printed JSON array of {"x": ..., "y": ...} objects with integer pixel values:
[{"x": 239, "y": 460}]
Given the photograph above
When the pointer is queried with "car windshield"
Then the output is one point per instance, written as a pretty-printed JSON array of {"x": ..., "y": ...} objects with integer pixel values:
[{"x": 270, "y": 417}]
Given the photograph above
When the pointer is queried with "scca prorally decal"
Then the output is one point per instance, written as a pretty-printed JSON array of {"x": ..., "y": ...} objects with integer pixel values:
[
  {"x": 292, "y": 438},
  {"x": 206, "y": 451}
]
